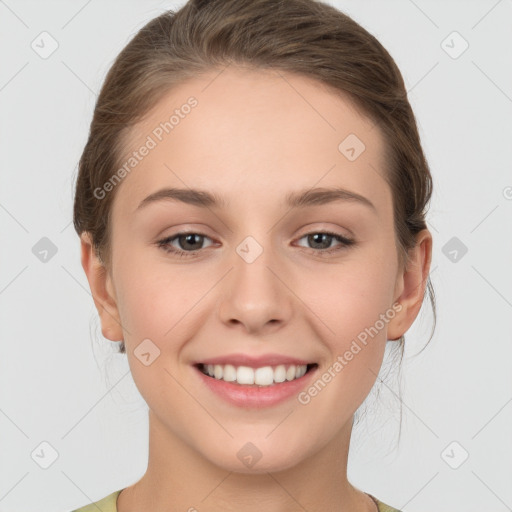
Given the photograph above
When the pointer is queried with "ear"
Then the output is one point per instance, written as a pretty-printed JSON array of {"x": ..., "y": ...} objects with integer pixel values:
[
  {"x": 102, "y": 290},
  {"x": 411, "y": 284}
]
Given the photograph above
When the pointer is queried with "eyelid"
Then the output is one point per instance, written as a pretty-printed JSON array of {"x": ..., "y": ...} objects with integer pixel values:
[
  {"x": 166, "y": 240},
  {"x": 333, "y": 231}
]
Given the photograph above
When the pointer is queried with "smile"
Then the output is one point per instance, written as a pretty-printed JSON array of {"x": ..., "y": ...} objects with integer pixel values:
[{"x": 262, "y": 376}]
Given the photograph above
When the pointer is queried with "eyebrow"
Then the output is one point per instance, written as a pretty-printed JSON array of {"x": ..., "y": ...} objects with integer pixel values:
[{"x": 298, "y": 199}]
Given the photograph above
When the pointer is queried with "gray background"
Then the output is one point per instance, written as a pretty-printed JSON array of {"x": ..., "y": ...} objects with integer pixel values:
[{"x": 61, "y": 383}]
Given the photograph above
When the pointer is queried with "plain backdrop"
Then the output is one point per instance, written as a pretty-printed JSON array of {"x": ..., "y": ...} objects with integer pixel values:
[{"x": 73, "y": 427}]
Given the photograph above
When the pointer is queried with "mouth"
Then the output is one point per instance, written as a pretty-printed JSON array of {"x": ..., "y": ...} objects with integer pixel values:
[{"x": 264, "y": 376}]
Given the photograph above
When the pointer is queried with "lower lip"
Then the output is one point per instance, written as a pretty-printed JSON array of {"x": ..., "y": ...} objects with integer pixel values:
[{"x": 256, "y": 396}]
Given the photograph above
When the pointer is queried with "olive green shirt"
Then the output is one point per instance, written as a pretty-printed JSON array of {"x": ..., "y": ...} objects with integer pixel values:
[{"x": 108, "y": 504}]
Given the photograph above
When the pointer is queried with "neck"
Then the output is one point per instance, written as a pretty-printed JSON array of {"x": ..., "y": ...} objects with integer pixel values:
[{"x": 178, "y": 477}]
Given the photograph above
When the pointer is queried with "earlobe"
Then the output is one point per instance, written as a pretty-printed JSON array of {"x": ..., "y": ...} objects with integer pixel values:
[
  {"x": 102, "y": 290},
  {"x": 411, "y": 285}
]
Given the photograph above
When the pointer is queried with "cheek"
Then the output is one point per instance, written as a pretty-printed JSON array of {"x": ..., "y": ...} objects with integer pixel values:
[
  {"x": 153, "y": 301},
  {"x": 158, "y": 306},
  {"x": 350, "y": 306},
  {"x": 353, "y": 304},
  {"x": 348, "y": 297}
]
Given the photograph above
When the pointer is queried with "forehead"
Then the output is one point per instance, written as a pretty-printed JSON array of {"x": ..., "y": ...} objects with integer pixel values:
[{"x": 262, "y": 132}]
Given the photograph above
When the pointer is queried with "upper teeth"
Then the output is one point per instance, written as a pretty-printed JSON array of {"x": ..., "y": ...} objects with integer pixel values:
[{"x": 264, "y": 376}]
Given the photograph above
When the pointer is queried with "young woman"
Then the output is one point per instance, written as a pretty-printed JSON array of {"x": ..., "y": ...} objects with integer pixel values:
[{"x": 251, "y": 205}]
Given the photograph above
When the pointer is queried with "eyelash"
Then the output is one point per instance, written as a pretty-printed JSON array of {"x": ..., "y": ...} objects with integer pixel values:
[{"x": 164, "y": 243}]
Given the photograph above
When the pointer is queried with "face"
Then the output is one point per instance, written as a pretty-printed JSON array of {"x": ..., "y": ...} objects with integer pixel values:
[{"x": 315, "y": 279}]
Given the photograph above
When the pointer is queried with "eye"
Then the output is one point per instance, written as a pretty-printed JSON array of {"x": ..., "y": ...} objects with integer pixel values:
[
  {"x": 190, "y": 243},
  {"x": 186, "y": 240},
  {"x": 322, "y": 240}
]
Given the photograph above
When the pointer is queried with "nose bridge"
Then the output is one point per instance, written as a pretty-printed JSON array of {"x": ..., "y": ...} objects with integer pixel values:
[
  {"x": 254, "y": 259},
  {"x": 256, "y": 295}
]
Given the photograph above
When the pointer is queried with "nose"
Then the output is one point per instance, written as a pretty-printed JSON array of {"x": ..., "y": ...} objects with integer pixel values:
[{"x": 256, "y": 296}]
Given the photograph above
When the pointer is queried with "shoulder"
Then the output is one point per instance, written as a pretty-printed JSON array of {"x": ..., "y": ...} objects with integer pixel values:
[
  {"x": 106, "y": 504},
  {"x": 382, "y": 506}
]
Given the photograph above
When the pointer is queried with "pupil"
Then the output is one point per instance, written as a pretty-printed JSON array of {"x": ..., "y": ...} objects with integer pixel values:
[
  {"x": 316, "y": 235},
  {"x": 191, "y": 236}
]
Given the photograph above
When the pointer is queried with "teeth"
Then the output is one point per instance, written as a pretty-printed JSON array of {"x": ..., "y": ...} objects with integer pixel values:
[{"x": 264, "y": 376}]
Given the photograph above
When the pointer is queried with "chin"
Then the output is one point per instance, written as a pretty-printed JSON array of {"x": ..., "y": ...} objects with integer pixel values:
[{"x": 251, "y": 458}]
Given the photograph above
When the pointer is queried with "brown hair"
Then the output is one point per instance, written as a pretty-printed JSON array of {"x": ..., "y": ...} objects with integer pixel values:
[{"x": 307, "y": 37}]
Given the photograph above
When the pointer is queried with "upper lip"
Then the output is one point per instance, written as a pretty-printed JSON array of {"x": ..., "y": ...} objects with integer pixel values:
[{"x": 253, "y": 361}]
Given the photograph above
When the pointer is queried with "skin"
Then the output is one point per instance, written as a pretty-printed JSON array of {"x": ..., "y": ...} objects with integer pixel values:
[{"x": 254, "y": 137}]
